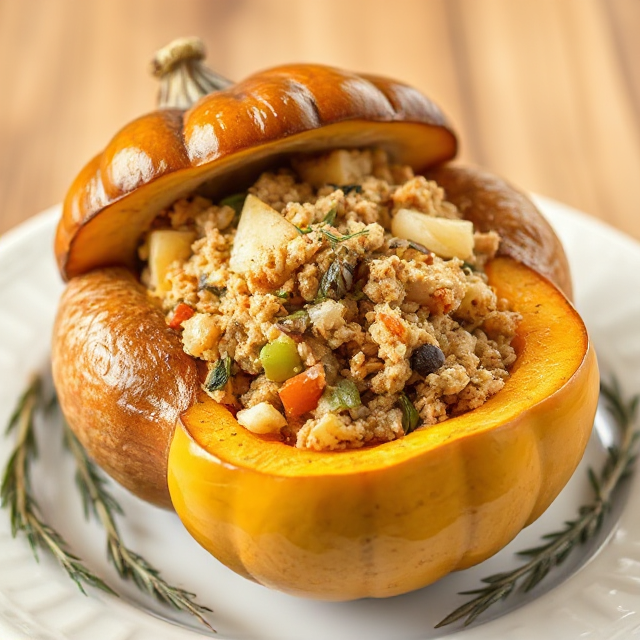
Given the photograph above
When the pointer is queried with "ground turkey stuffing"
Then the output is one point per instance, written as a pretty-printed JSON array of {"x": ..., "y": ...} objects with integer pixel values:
[{"x": 335, "y": 334}]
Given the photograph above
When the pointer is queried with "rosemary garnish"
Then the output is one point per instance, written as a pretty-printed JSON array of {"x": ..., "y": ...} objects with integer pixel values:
[
  {"x": 584, "y": 527},
  {"x": 16, "y": 493},
  {"x": 99, "y": 502},
  {"x": 330, "y": 218},
  {"x": 334, "y": 239}
]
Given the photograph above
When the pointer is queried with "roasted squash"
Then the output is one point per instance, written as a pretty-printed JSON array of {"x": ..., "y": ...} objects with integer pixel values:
[{"x": 372, "y": 522}]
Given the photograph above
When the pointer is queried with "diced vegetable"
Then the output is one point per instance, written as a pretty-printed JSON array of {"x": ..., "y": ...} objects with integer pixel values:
[
  {"x": 165, "y": 247},
  {"x": 343, "y": 396},
  {"x": 219, "y": 375},
  {"x": 297, "y": 322},
  {"x": 336, "y": 167},
  {"x": 301, "y": 393},
  {"x": 446, "y": 238},
  {"x": 393, "y": 323},
  {"x": 262, "y": 418},
  {"x": 181, "y": 313},
  {"x": 410, "y": 415},
  {"x": 280, "y": 359},
  {"x": 260, "y": 229}
]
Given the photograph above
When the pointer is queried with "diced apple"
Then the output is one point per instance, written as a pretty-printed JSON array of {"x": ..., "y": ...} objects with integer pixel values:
[
  {"x": 262, "y": 418},
  {"x": 337, "y": 167},
  {"x": 260, "y": 229},
  {"x": 446, "y": 238},
  {"x": 165, "y": 247}
]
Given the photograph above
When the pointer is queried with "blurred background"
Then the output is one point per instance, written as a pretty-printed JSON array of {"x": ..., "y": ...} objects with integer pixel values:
[{"x": 543, "y": 92}]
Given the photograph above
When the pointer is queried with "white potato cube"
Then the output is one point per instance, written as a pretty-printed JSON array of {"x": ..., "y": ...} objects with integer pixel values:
[
  {"x": 337, "y": 167},
  {"x": 165, "y": 247},
  {"x": 446, "y": 238},
  {"x": 261, "y": 228},
  {"x": 262, "y": 418}
]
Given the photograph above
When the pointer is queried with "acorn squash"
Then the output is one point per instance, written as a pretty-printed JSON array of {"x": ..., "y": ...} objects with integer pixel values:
[{"x": 377, "y": 521}]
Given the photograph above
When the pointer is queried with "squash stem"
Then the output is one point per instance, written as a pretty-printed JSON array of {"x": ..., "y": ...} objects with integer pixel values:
[{"x": 184, "y": 78}]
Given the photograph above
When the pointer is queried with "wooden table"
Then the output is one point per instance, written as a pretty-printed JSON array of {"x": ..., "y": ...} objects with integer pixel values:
[{"x": 544, "y": 92}]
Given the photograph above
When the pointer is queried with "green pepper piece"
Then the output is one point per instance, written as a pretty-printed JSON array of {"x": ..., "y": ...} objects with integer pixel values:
[
  {"x": 344, "y": 395},
  {"x": 280, "y": 359}
]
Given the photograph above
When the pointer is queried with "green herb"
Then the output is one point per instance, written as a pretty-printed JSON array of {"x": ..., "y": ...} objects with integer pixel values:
[
  {"x": 203, "y": 285},
  {"x": 336, "y": 281},
  {"x": 347, "y": 188},
  {"x": 303, "y": 232},
  {"x": 334, "y": 239},
  {"x": 410, "y": 415},
  {"x": 16, "y": 493},
  {"x": 542, "y": 559},
  {"x": 330, "y": 218},
  {"x": 282, "y": 294},
  {"x": 297, "y": 322},
  {"x": 343, "y": 396},
  {"x": 99, "y": 503},
  {"x": 219, "y": 375},
  {"x": 394, "y": 243},
  {"x": 467, "y": 266},
  {"x": 235, "y": 201}
]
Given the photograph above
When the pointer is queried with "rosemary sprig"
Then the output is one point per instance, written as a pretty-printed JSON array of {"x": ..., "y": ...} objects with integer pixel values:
[
  {"x": 584, "y": 527},
  {"x": 98, "y": 501},
  {"x": 16, "y": 493}
]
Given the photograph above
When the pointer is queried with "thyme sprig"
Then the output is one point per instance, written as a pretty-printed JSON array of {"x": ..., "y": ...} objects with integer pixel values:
[
  {"x": 16, "y": 492},
  {"x": 16, "y": 495},
  {"x": 100, "y": 503},
  {"x": 618, "y": 465}
]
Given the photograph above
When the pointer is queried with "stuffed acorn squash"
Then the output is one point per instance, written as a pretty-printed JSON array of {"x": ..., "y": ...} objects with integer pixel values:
[{"x": 358, "y": 287}]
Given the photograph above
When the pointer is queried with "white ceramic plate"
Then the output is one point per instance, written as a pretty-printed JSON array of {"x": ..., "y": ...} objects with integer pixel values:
[{"x": 596, "y": 594}]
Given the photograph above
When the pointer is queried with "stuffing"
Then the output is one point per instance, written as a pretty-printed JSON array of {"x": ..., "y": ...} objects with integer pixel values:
[{"x": 378, "y": 320}]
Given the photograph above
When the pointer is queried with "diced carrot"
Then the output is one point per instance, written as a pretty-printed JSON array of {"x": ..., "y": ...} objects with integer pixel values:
[
  {"x": 302, "y": 392},
  {"x": 393, "y": 324},
  {"x": 181, "y": 313}
]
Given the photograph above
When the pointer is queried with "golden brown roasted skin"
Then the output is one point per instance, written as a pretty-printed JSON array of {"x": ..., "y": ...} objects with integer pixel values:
[
  {"x": 237, "y": 132},
  {"x": 122, "y": 378},
  {"x": 494, "y": 205}
]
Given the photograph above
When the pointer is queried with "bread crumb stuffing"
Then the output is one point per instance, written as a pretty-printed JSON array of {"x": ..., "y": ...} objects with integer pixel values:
[{"x": 349, "y": 297}]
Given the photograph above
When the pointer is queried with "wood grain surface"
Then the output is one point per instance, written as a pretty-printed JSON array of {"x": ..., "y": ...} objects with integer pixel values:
[{"x": 544, "y": 92}]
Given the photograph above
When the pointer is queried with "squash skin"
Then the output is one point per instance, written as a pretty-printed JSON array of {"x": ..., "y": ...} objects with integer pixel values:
[
  {"x": 166, "y": 154},
  {"x": 270, "y": 512},
  {"x": 122, "y": 378}
]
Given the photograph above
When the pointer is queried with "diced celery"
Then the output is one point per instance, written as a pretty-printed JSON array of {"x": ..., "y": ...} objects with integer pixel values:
[{"x": 280, "y": 359}]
